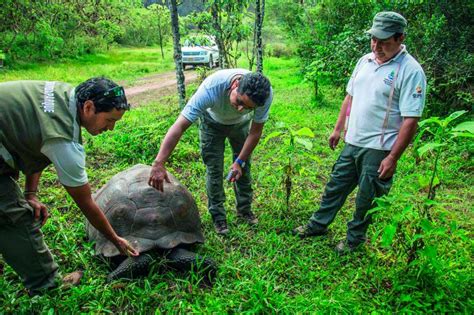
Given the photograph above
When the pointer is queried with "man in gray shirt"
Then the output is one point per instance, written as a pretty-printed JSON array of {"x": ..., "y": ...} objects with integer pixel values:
[
  {"x": 385, "y": 99},
  {"x": 232, "y": 104}
]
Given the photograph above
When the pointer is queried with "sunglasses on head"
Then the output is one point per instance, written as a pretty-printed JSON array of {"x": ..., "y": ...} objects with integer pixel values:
[{"x": 114, "y": 92}]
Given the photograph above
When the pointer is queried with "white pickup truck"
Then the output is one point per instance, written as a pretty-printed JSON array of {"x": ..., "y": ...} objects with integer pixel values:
[{"x": 200, "y": 50}]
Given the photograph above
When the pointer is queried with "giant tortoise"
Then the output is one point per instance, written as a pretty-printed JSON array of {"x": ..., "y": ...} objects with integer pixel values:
[{"x": 158, "y": 224}]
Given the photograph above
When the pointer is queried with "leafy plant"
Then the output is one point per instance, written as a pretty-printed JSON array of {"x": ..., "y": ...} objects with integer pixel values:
[
  {"x": 437, "y": 136},
  {"x": 294, "y": 143},
  {"x": 443, "y": 135},
  {"x": 331, "y": 37},
  {"x": 202, "y": 73}
]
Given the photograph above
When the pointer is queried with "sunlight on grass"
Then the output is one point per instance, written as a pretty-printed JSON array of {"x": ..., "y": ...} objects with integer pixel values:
[{"x": 119, "y": 64}]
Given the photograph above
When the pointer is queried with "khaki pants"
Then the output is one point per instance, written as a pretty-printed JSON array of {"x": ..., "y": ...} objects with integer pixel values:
[{"x": 21, "y": 240}]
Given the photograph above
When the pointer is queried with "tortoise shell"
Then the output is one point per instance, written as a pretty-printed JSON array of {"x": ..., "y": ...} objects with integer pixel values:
[{"x": 144, "y": 216}]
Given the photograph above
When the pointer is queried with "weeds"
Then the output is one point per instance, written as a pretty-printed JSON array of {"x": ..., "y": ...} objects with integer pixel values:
[{"x": 290, "y": 148}]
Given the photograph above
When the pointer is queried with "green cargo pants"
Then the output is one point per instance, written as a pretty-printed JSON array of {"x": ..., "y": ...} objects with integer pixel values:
[
  {"x": 21, "y": 240},
  {"x": 212, "y": 135},
  {"x": 356, "y": 166}
]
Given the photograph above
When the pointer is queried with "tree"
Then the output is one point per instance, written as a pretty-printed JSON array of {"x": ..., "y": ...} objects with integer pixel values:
[
  {"x": 331, "y": 36},
  {"x": 162, "y": 18},
  {"x": 45, "y": 30},
  {"x": 224, "y": 19},
  {"x": 177, "y": 53},
  {"x": 217, "y": 21},
  {"x": 259, "y": 15}
]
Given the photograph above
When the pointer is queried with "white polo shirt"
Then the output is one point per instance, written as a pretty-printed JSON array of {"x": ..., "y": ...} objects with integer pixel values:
[{"x": 370, "y": 86}]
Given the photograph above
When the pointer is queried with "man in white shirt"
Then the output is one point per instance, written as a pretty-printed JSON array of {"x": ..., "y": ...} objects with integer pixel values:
[{"x": 385, "y": 99}]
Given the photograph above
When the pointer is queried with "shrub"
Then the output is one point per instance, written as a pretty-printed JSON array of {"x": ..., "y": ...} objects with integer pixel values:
[
  {"x": 279, "y": 50},
  {"x": 331, "y": 37}
]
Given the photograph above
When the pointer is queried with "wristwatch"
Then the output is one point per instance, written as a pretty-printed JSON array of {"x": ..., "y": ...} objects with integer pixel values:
[{"x": 240, "y": 162}]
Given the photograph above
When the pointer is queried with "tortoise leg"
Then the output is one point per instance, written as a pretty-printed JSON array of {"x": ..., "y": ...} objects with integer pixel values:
[
  {"x": 131, "y": 267},
  {"x": 185, "y": 260}
]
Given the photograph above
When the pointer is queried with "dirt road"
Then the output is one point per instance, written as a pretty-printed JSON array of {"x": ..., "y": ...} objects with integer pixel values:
[{"x": 153, "y": 87}]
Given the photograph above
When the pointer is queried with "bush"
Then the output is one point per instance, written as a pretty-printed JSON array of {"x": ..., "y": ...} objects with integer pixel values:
[
  {"x": 279, "y": 50},
  {"x": 45, "y": 30},
  {"x": 331, "y": 38}
]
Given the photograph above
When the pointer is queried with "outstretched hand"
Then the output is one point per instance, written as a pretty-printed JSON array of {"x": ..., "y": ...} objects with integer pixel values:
[
  {"x": 158, "y": 175},
  {"x": 125, "y": 247}
]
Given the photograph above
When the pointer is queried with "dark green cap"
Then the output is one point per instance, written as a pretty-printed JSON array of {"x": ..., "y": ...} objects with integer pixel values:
[{"x": 386, "y": 24}]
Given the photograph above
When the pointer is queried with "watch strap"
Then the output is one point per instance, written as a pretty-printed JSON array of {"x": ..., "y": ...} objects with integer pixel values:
[{"x": 240, "y": 162}]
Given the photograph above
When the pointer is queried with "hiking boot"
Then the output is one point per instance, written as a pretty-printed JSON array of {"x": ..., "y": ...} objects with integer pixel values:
[
  {"x": 344, "y": 248},
  {"x": 304, "y": 231},
  {"x": 247, "y": 217},
  {"x": 221, "y": 227}
]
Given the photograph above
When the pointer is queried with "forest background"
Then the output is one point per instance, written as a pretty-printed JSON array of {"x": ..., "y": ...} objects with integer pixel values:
[{"x": 420, "y": 255}]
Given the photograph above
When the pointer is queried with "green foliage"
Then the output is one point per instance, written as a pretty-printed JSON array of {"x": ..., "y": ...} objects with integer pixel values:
[
  {"x": 331, "y": 37},
  {"x": 417, "y": 233},
  {"x": 293, "y": 144},
  {"x": 147, "y": 26},
  {"x": 202, "y": 73},
  {"x": 279, "y": 50},
  {"x": 39, "y": 30},
  {"x": 227, "y": 21}
]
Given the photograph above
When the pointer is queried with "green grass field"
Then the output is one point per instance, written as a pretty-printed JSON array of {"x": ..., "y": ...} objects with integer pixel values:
[
  {"x": 121, "y": 64},
  {"x": 263, "y": 269}
]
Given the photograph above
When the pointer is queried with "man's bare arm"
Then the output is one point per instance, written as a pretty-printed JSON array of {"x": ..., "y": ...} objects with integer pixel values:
[{"x": 172, "y": 137}]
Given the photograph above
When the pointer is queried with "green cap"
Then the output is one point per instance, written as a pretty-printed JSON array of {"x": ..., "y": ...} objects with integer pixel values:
[{"x": 386, "y": 24}]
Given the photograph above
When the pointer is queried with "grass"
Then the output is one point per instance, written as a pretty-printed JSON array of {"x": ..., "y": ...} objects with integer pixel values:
[
  {"x": 263, "y": 269},
  {"x": 121, "y": 64}
]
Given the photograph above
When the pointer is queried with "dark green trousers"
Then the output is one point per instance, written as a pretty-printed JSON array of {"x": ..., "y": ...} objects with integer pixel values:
[
  {"x": 212, "y": 136},
  {"x": 21, "y": 240},
  {"x": 355, "y": 166}
]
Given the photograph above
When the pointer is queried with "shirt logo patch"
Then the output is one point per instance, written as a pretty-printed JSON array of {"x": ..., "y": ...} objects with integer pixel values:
[
  {"x": 48, "y": 102},
  {"x": 389, "y": 79},
  {"x": 418, "y": 93}
]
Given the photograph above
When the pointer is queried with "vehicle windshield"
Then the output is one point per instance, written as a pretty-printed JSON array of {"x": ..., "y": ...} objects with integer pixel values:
[{"x": 197, "y": 41}]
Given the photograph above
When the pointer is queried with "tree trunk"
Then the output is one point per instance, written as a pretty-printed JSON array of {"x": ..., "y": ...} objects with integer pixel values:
[
  {"x": 219, "y": 41},
  {"x": 259, "y": 14},
  {"x": 160, "y": 39},
  {"x": 177, "y": 53},
  {"x": 250, "y": 52}
]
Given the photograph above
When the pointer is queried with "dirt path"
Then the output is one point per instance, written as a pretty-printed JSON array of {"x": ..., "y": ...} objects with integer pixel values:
[{"x": 156, "y": 86}]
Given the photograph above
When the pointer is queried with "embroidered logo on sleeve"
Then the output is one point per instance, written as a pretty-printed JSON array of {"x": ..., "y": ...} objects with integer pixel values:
[
  {"x": 48, "y": 103},
  {"x": 418, "y": 93}
]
